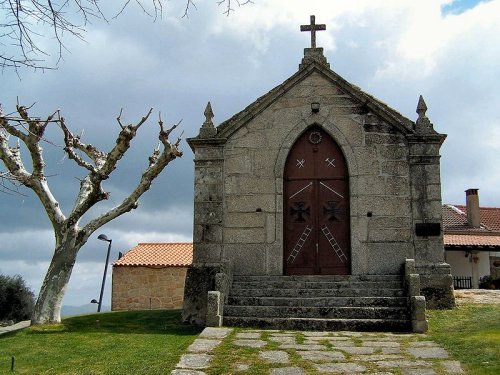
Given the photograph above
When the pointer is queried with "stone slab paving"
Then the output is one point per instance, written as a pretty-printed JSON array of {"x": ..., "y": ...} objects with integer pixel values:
[
  {"x": 275, "y": 356},
  {"x": 297, "y": 353}
]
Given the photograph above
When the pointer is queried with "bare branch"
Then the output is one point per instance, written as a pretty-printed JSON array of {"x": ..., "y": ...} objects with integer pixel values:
[
  {"x": 228, "y": 5},
  {"x": 71, "y": 142},
  {"x": 189, "y": 4},
  {"x": 156, "y": 165},
  {"x": 17, "y": 173},
  {"x": 26, "y": 24},
  {"x": 10, "y": 185},
  {"x": 91, "y": 190}
]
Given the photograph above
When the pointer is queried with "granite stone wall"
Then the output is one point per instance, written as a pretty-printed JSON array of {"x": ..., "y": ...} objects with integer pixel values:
[
  {"x": 394, "y": 182},
  {"x": 143, "y": 288},
  {"x": 238, "y": 184}
]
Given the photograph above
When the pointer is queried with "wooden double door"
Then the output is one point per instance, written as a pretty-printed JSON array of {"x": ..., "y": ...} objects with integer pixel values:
[{"x": 316, "y": 207}]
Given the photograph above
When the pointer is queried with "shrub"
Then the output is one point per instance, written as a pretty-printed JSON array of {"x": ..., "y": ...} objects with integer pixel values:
[
  {"x": 489, "y": 282},
  {"x": 16, "y": 299}
]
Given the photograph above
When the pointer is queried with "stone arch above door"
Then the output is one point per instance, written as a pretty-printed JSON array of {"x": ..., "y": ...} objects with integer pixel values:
[
  {"x": 316, "y": 214},
  {"x": 333, "y": 131}
]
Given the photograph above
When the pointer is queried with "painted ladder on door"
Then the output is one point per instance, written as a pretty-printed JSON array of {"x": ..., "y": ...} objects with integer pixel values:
[
  {"x": 333, "y": 243},
  {"x": 300, "y": 243}
]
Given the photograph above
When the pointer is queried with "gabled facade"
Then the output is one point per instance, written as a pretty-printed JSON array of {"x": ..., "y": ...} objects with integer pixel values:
[{"x": 316, "y": 177}]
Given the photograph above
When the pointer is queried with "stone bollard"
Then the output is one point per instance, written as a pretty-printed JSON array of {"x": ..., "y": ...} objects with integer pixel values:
[
  {"x": 214, "y": 309},
  {"x": 418, "y": 321}
]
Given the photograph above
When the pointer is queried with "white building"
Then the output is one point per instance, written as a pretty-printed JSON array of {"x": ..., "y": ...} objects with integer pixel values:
[{"x": 472, "y": 241}]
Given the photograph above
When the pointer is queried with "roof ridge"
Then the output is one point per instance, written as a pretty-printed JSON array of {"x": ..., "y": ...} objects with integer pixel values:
[
  {"x": 456, "y": 209},
  {"x": 380, "y": 108},
  {"x": 481, "y": 207},
  {"x": 164, "y": 243}
]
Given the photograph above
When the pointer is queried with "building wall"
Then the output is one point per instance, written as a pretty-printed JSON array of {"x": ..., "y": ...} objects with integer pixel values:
[
  {"x": 462, "y": 265},
  {"x": 377, "y": 157},
  {"x": 143, "y": 288},
  {"x": 394, "y": 183}
]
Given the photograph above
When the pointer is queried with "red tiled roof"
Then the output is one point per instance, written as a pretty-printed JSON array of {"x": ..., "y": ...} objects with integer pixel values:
[
  {"x": 471, "y": 240},
  {"x": 457, "y": 231},
  {"x": 490, "y": 216},
  {"x": 455, "y": 218},
  {"x": 158, "y": 255}
]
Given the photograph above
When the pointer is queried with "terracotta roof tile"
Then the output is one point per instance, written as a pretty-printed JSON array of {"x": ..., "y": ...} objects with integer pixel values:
[
  {"x": 490, "y": 216},
  {"x": 471, "y": 240},
  {"x": 158, "y": 255},
  {"x": 455, "y": 219}
]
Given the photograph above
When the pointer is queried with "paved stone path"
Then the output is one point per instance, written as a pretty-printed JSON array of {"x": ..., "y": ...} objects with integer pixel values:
[{"x": 321, "y": 353}]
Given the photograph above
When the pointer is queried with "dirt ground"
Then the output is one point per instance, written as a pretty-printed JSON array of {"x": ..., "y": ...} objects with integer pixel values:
[{"x": 477, "y": 296}]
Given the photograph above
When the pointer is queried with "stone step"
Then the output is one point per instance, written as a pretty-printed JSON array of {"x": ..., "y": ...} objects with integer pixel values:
[
  {"x": 295, "y": 284},
  {"x": 398, "y": 313},
  {"x": 319, "y": 301},
  {"x": 300, "y": 292},
  {"x": 359, "y": 302},
  {"x": 238, "y": 278},
  {"x": 381, "y": 325}
]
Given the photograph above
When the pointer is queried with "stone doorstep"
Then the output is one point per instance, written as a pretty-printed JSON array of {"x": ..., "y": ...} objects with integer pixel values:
[{"x": 319, "y": 324}]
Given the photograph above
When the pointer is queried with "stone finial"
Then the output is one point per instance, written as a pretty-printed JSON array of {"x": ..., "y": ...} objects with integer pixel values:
[
  {"x": 421, "y": 107},
  {"x": 208, "y": 129},
  {"x": 423, "y": 124},
  {"x": 209, "y": 115}
]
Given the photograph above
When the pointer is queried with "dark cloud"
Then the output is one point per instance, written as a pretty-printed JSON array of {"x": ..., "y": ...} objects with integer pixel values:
[{"x": 177, "y": 65}]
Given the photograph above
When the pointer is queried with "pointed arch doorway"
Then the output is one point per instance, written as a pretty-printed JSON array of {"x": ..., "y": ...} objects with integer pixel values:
[{"x": 316, "y": 207}]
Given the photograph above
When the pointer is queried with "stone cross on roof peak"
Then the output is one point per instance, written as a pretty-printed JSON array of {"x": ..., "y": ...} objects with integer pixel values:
[{"x": 313, "y": 28}]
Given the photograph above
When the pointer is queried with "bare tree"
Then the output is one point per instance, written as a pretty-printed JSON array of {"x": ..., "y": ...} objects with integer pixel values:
[
  {"x": 19, "y": 129},
  {"x": 24, "y": 24}
]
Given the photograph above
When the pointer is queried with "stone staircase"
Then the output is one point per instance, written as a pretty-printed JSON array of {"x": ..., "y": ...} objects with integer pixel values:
[{"x": 359, "y": 303}]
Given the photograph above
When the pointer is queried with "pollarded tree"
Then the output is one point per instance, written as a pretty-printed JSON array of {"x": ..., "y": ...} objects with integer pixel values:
[{"x": 70, "y": 234}]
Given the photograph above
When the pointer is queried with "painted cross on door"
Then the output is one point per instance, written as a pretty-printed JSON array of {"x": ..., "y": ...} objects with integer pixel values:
[{"x": 316, "y": 207}]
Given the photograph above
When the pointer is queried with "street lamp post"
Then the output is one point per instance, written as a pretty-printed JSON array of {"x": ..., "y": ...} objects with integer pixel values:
[{"x": 103, "y": 237}]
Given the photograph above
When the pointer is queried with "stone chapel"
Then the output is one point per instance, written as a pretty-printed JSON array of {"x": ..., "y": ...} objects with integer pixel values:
[{"x": 317, "y": 206}]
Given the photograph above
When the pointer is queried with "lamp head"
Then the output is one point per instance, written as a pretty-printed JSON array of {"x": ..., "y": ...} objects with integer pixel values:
[
  {"x": 315, "y": 107},
  {"x": 103, "y": 237}
]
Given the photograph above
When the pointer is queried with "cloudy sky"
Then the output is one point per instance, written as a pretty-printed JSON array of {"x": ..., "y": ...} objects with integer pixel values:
[{"x": 446, "y": 50}]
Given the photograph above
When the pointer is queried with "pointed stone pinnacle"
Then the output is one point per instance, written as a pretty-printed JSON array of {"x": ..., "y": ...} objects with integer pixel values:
[
  {"x": 421, "y": 107},
  {"x": 209, "y": 114},
  {"x": 208, "y": 129}
]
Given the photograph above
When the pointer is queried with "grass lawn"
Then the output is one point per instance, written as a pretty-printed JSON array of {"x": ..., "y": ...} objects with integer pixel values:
[
  {"x": 471, "y": 334},
  {"x": 139, "y": 342},
  {"x": 151, "y": 342}
]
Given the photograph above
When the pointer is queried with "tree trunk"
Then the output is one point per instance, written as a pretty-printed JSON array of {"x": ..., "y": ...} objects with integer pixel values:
[{"x": 48, "y": 305}]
